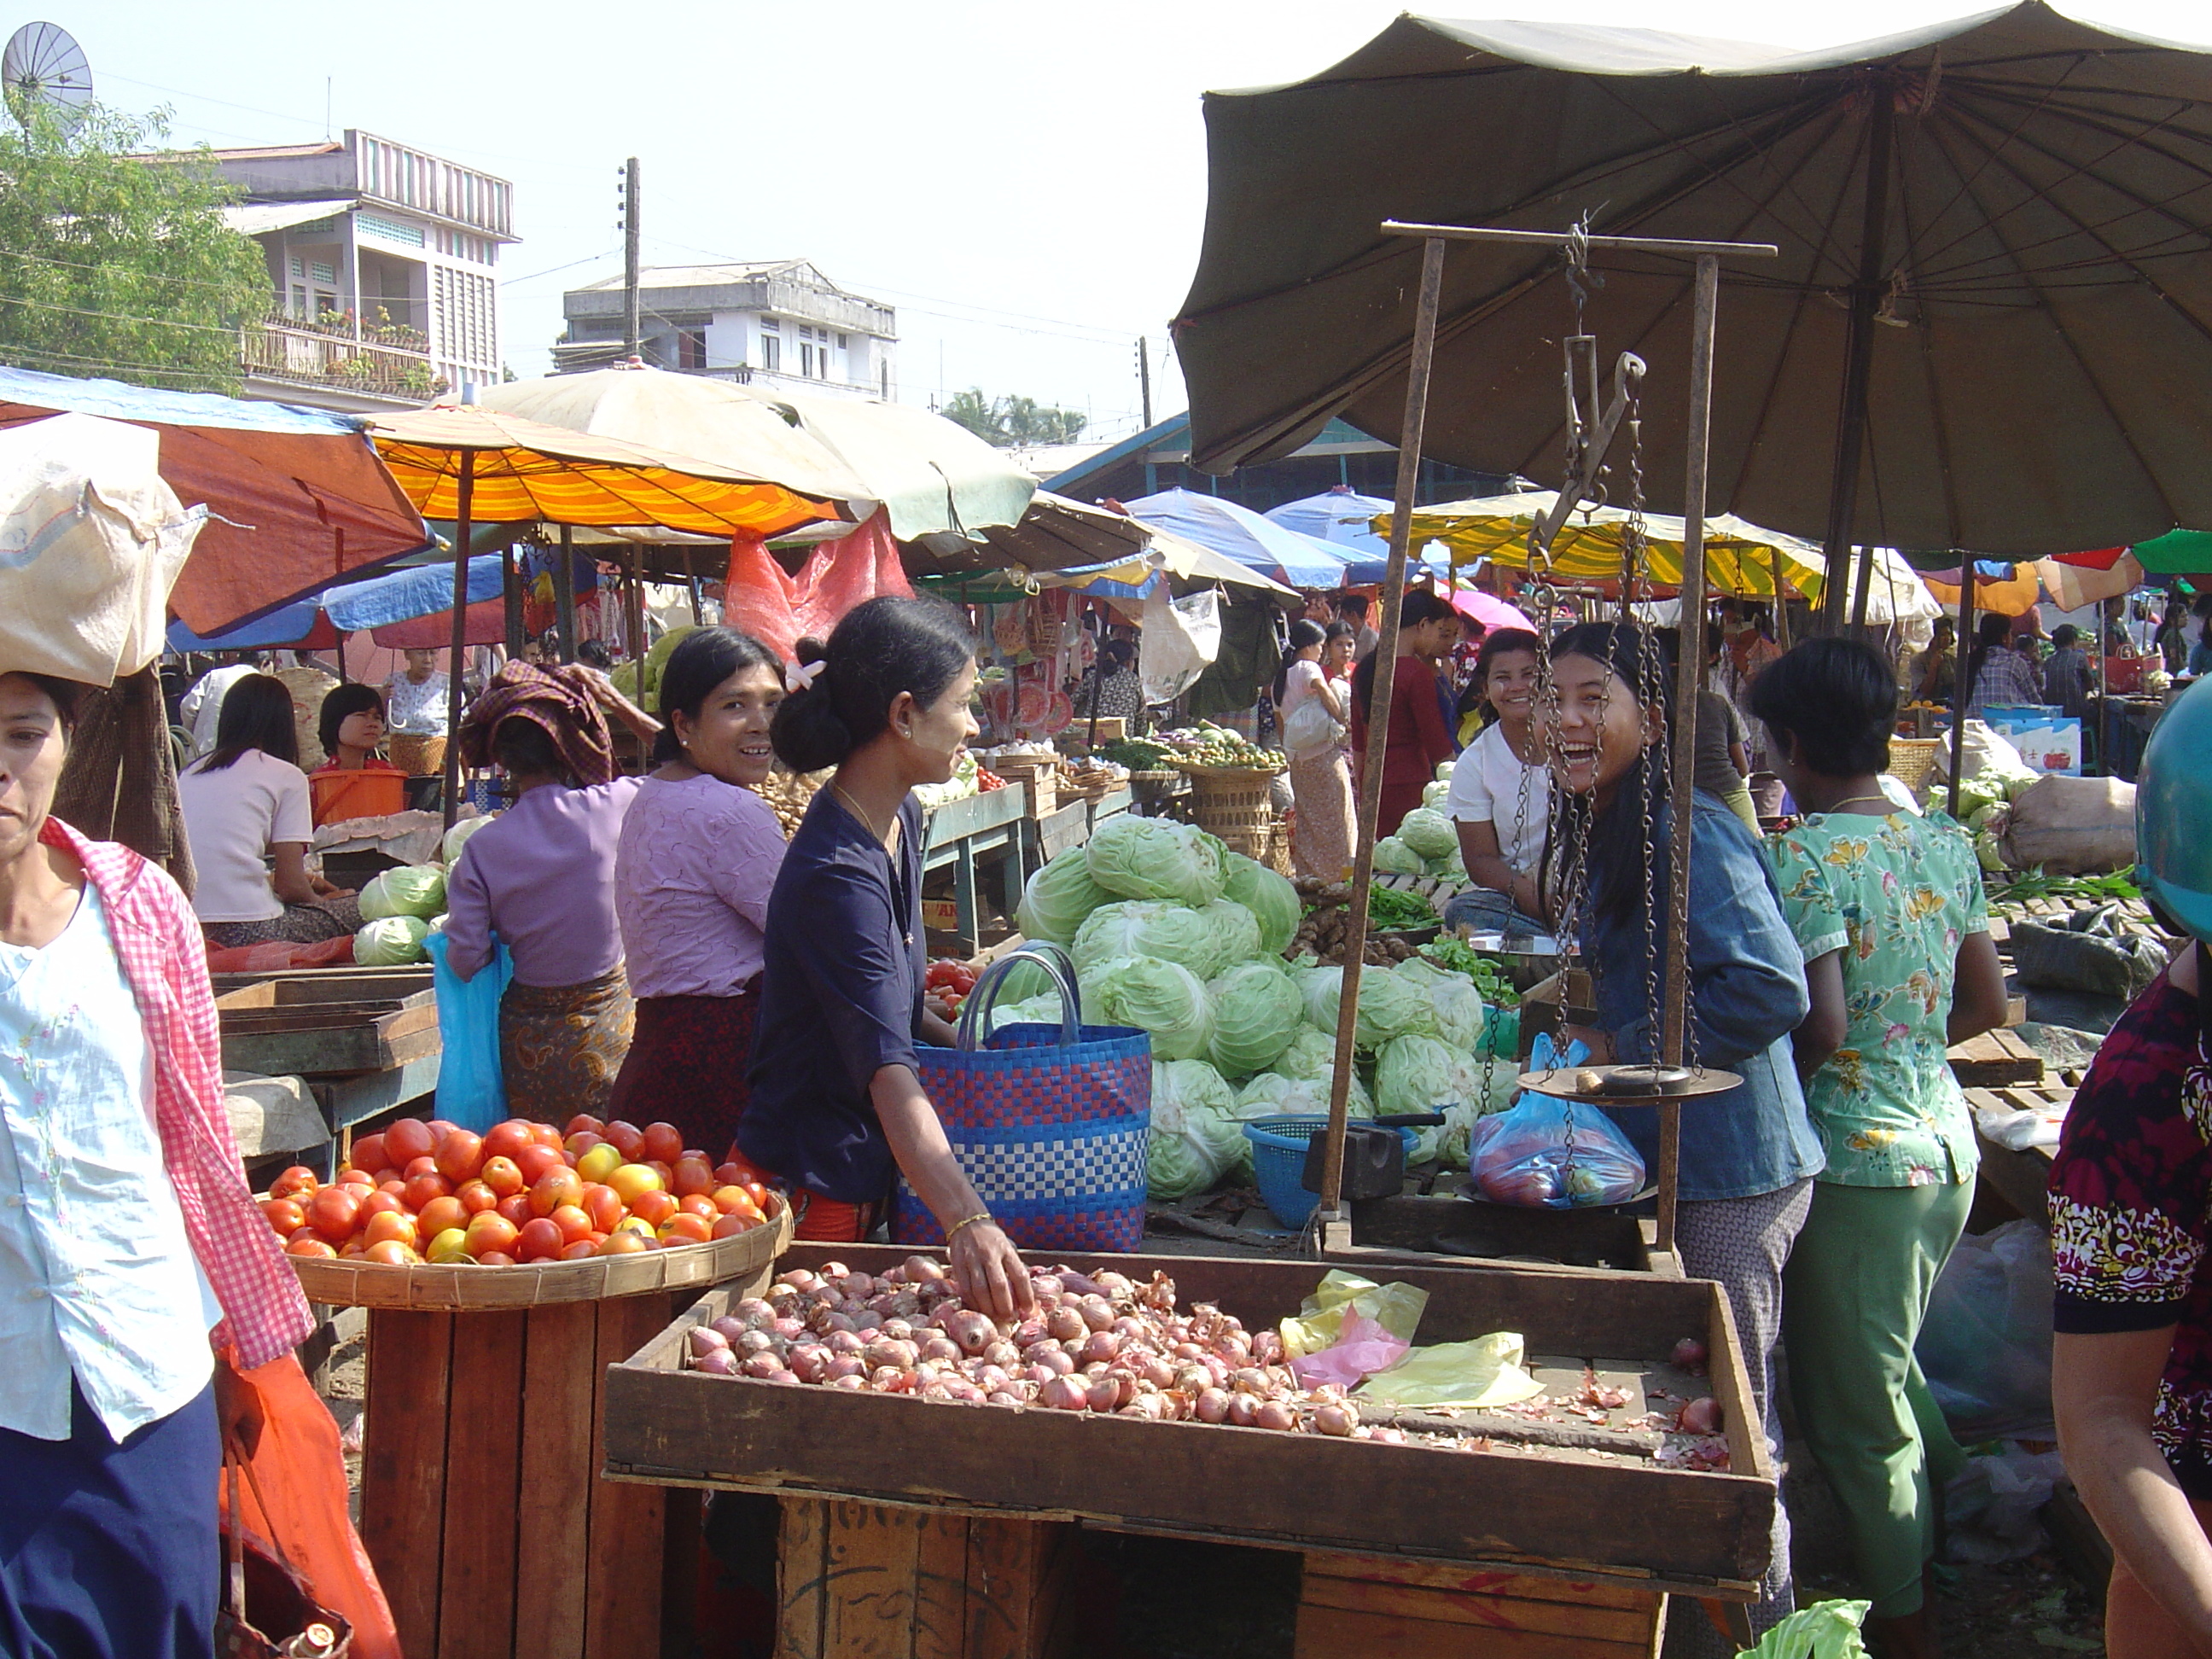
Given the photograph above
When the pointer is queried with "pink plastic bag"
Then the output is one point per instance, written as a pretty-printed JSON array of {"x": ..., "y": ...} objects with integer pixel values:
[
  {"x": 1364, "y": 1349},
  {"x": 779, "y": 610}
]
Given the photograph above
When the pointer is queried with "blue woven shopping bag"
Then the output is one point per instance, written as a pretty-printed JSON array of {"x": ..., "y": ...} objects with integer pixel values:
[{"x": 1049, "y": 1122}]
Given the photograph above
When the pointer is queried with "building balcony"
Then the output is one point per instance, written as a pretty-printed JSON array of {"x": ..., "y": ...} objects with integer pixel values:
[{"x": 383, "y": 360}]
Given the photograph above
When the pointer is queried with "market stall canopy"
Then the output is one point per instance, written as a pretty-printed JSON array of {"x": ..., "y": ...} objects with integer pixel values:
[
  {"x": 1169, "y": 554},
  {"x": 2176, "y": 553},
  {"x": 1340, "y": 517},
  {"x": 1740, "y": 557},
  {"x": 296, "y": 497},
  {"x": 932, "y": 475},
  {"x": 398, "y": 596},
  {"x": 524, "y": 470},
  {"x": 1054, "y": 533},
  {"x": 1240, "y": 534},
  {"x": 717, "y": 422},
  {"x": 1490, "y": 611},
  {"x": 2041, "y": 222}
]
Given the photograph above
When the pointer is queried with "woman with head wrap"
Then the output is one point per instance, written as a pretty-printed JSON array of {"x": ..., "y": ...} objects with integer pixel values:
[{"x": 540, "y": 879}]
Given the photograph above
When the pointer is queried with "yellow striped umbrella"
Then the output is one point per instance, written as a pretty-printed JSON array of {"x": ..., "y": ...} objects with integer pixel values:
[{"x": 1741, "y": 558}]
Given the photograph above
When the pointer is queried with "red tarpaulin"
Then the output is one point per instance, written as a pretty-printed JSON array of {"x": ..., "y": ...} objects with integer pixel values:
[{"x": 487, "y": 625}]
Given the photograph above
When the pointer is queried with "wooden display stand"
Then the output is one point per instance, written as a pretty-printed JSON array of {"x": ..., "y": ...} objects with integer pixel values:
[{"x": 1356, "y": 1607}]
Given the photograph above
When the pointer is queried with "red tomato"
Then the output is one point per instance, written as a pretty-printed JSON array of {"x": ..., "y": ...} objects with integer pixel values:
[
  {"x": 579, "y": 1250},
  {"x": 488, "y": 1230},
  {"x": 515, "y": 1206},
  {"x": 615, "y": 1244},
  {"x": 654, "y": 1208},
  {"x": 603, "y": 1205},
  {"x": 334, "y": 1213},
  {"x": 554, "y": 1189},
  {"x": 461, "y": 1155},
  {"x": 380, "y": 1202},
  {"x": 419, "y": 1166},
  {"x": 736, "y": 1200},
  {"x": 388, "y": 1177},
  {"x": 439, "y": 1128},
  {"x": 368, "y": 1153},
  {"x": 496, "y": 1259},
  {"x": 736, "y": 1221},
  {"x": 534, "y": 1162},
  {"x": 572, "y": 1221},
  {"x": 389, "y": 1253},
  {"x": 545, "y": 1135},
  {"x": 692, "y": 1174},
  {"x": 697, "y": 1204},
  {"x": 580, "y": 1143},
  {"x": 284, "y": 1214},
  {"x": 503, "y": 1174},
  {"x": 685, "y": 1229},
  {"x": 475, "y": 1197},
  {"x": 422, "y": 1188},
  {"x": 298, "y": 1181},
  {"x": 310, "y": 1245},
  {"x": 506, "y": 1140},
  {"x": 541, "y": 1241},
  {"x": 440, "y": 1215},
  {"x": 668, "y": 1175},
  {"x": 584, "y": 1121},
  {"x": 408, "y": 1139},
  {"x": 628, "y": 1139},
  {"x": 663, "y": 1143},
  {"x": 390, "y": 1224}
]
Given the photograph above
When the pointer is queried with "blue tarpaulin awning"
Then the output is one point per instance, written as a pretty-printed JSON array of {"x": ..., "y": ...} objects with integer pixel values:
[
  {"x": 1239, "y": 533},
  {"x": 401, "y": 596}
]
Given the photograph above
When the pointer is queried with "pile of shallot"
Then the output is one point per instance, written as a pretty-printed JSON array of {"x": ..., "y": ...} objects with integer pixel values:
[{"x": 1104, "y": 1343}]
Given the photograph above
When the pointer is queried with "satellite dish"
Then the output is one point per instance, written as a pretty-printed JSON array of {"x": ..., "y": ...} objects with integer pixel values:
[{"x": 43, "y": 69}]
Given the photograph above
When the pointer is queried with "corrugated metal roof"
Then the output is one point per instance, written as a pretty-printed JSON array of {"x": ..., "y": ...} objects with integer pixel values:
[{"x": 259, "y": 218}]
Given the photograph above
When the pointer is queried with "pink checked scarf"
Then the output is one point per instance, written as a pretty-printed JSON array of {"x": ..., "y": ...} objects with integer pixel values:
[{"x": 165, "y": 959}]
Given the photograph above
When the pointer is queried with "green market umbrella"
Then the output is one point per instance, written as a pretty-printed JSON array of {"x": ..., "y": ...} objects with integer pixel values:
[{"x": 2176, "y": 553}]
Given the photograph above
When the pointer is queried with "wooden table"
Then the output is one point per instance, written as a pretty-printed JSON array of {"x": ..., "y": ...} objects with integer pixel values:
[
  {"x": 883, "y": 1545},
  {"x": 961, "y": 833}
]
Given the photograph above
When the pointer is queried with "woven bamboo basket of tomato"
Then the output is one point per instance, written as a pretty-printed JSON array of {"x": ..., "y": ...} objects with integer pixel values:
[{"x": 523, "y": 1215}]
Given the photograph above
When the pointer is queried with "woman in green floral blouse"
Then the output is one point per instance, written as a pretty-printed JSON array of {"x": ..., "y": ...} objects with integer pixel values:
[{"x": 1888, "y": 907}]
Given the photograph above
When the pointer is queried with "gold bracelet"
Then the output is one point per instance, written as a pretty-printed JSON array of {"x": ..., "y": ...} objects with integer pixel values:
[{"x": 954, "y": 1231}]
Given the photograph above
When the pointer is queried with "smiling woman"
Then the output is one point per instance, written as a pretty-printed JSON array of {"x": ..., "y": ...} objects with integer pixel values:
[{"x": 698, "y": 858}]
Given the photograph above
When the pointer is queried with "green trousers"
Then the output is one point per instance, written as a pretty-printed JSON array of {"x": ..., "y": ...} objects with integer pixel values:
[
  {"x": 1738, "y": 801},
  {"x": 1854, "y": 1294}
]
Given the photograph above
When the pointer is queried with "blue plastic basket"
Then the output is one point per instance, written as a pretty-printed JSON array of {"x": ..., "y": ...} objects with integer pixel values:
[{"x": 1279, "y": 1163}]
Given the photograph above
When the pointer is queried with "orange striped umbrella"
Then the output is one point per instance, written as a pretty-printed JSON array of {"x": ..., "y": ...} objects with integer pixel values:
[{"x": 522, "y": 470}]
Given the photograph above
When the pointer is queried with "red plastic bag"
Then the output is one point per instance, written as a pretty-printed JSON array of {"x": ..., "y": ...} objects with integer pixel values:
[
  {"x": 779, "y": 610},
  {"x": 279, "y": 954},
  {"x": 299, "y": 1472}
]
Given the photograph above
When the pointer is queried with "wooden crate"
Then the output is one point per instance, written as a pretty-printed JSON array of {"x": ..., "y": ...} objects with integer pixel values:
[
  {"x": 1994, "y": 1059},
  {"x": 1635, "y": 1523},
  {"x": 855, "y": 1579},
  {"x": 328, "y": 1023},
  {"x": 1356, "y": 1607}
]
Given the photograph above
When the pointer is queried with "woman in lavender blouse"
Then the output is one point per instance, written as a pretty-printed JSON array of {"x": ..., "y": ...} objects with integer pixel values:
[{"x": 697, "y": 858}]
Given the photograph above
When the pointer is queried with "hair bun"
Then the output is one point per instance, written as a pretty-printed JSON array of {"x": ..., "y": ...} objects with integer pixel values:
[{"x": 811, "y": 650}]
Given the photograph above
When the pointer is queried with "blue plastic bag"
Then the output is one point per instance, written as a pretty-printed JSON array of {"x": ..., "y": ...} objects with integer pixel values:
[
  {"x": 1549, "y": 1153},
  {"x": 471, "y": 1090}
]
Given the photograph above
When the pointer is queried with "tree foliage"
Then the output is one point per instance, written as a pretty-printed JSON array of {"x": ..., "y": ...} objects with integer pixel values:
[
  {"x": 1013, "y": 422},
  {"x": 116, "y": 263}
]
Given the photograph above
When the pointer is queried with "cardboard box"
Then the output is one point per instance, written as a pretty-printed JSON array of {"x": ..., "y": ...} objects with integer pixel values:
[
  {"x": 940, "y": 915},
  {"x": 2048, "y": 741}
]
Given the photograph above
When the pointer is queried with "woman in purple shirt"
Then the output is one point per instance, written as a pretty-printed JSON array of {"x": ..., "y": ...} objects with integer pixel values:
[
  {"x": 540, "y": 879},
  {"x": 697, "y": 858}
]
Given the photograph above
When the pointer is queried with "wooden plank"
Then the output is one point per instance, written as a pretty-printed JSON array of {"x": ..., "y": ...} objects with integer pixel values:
[
  {"x": 628, "y": 1527},
  {"x": 403, "y": 1516},
  {"x": 1471, "y": 1581},
  {"x": 1012, "y": 1580},
  {"x": 802, "y": 1578},
  {"x": 1337, "y": 1634},
  {"x": 942, "y": 1587},
  {"x": 1994, "y": 1059},
  {"x": 2021, "y": 1179},
  {"x": 874, "y": 1559},
  {"x": 560, "y": 1377},
  {"x": 1501, "y": 1613},
  {"x": 483, "y": 1504}
]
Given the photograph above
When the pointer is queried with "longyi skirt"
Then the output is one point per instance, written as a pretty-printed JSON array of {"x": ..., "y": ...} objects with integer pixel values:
[
  {"x": 561, "y": 1047},
  {"x": 108, "y": 1550},
  {"x": 687, "y": 1066}
]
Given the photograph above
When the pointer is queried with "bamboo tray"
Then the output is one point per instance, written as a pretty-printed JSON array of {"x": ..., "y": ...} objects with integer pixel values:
[{"x": 436, "y": 1287}]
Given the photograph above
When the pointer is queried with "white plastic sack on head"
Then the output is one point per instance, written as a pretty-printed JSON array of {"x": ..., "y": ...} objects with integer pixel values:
[
  {"x": 91, "y": 541},
  {"x": 1180, "y": 639}
]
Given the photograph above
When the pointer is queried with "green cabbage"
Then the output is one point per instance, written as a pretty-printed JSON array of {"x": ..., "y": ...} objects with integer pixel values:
[
  {"x": 1988, "y": 852},
  {"x": 391, "y": 941},
  {"x": 1163, "y": 997},
  {"x": 1457, "y": 1006},
  {"x": 449, "y": 850},
  {"x": 1435, "y": 795},
  {"x": 1257, "y": 1012},
  {"x": 1444, "y": 770},
  {"x": 1037, "y": 1010},
  {"x": 1429, "y": 833},
  {"x": 1194, "y": 1137},
  {"x": 1156, "y": 858},
  {"x": 1148, "y": 927},
  {"x": 1273, "y": 902},
  {"x": 1310, "y": 1055},
  {"x": 410, "y": 890},
  {"x": 1058, "y": 897},
  {"x": 1453, "y": 869},
  {"x": 1417, "y": 1074},
  {"x": 1389, "y": 1007},
  {"x": 1235, "y": 931},
  {"x": 1271, "y": 1093},
  {"x": 1393, "y": 857}
]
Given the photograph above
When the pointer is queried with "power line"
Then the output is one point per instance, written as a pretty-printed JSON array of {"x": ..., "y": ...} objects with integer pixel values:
[
  {"x": 80, "y": 265},
  {"x": 118, "y": 316}
]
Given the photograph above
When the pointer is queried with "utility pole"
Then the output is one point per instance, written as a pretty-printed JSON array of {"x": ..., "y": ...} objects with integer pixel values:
[
  {"x": 629, "y": 230},
  {"x": 1145, "y": 378}
]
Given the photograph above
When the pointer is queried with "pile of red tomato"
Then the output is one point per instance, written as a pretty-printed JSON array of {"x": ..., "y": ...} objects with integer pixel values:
[
  {"x": 523, "y": 1192},
  {"x": 949, "y": 982}
]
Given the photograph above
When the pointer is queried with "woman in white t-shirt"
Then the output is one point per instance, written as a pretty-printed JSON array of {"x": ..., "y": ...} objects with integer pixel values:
[
  {"x": 1321, "y": 781},
  {"x": 1501, "y": 795},
  {"x": 246, "y": 804}
]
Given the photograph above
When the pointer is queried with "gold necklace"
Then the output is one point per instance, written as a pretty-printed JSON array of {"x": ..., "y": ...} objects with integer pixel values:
[
  {"x": 1849, "y": 799},
  {"x": 858, "y": 811}
]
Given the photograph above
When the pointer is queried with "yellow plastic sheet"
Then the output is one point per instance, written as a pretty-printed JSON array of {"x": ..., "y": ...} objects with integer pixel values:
[
  {"x": 1320, "y": 1322},
  {"x": 1487, "y": 1371}
]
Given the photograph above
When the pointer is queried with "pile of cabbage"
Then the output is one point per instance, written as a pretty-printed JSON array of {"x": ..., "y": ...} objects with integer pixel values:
[
  {"x": 403, "y": 906},
  {"x": 1426, "y": 842},
  {"x": 1985, "y": 803},
  {"x": 1171, "y": 931}
]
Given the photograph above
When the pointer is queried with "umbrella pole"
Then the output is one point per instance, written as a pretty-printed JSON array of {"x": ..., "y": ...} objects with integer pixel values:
[
  {"x": 1378, "y": 718},
  {"x": 510, "y": 601},
  {"x": 466, "y": 503},
  {"x": 1675, "y": 1022},
  {"x": 1963, "y": 690},
  {"x": 691, "y": 583},
  {"x": 564, "y": 592},
  {"x": 1866, "y": 583},
  {"x": 1858, "y": 359},
  {"x": 637, "y": 614}
]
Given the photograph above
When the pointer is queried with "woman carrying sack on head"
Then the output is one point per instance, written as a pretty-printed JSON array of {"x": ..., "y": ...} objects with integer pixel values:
[
  {"x": 540, "y": 879},
  {"x": 1313, "y": 736},
  {"x": 837, "y": 1107},
  {"x": 146, "y": 1313}
]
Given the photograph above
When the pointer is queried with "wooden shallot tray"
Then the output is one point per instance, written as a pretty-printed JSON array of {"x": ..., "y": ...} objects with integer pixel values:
[
  {"x": 1606, "y": 1511},
  {"x": 351, "y": 1020}
]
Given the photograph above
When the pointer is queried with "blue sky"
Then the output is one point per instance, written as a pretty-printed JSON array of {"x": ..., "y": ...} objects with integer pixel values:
[{"x": 1026, "y": 183}]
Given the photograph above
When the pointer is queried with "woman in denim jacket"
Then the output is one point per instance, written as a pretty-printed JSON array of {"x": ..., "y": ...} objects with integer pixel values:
[{"x": 1747, "y": 1156}]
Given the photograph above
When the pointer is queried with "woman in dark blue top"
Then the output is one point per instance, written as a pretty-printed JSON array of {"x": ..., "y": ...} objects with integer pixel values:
[
  {"x": 1747, "y": 1156},
  {"x": 837, "y": 1102}
]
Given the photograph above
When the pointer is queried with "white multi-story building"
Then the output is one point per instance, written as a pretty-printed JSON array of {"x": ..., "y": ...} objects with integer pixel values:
[
  {"x": 383, "y": 263},
  {"x": 778, "y": 323}
]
